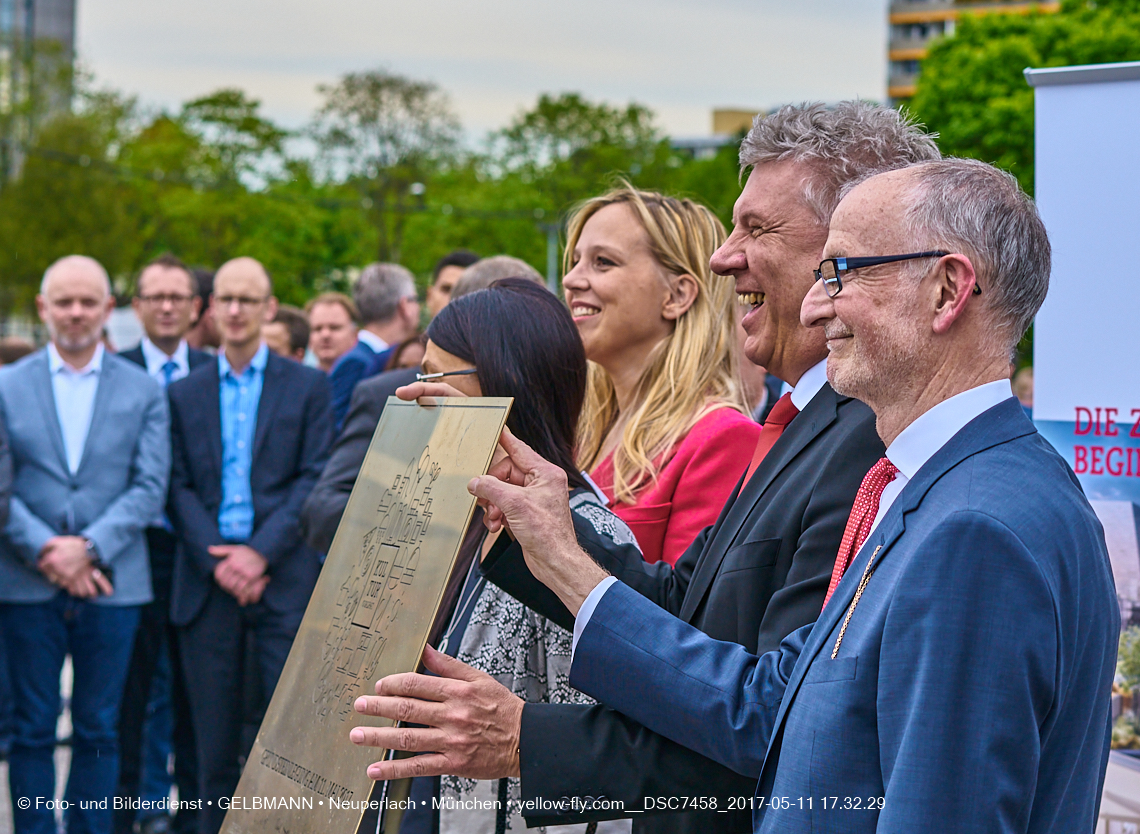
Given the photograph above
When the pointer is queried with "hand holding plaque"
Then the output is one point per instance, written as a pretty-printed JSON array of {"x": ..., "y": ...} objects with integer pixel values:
[{"x": 473, "y": 722}]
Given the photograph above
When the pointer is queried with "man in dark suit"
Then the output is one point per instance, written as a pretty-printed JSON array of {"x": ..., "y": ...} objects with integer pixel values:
[
  {"x": 957, "y": 678},
  {"x": 250, "y": 435},
  {"x": 385, "y": 295},
  {"x": 762, "y": 570},
  {"x": 167, "y": 304},
  {"x": 325, "y": 505}
]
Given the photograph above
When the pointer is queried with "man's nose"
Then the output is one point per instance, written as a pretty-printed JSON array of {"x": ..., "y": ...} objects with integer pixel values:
[
  {"x": 729, "y": 258},
  {"x": 817, "y": 309}
]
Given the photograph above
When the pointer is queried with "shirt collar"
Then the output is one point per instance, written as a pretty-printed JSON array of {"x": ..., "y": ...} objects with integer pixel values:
[
  {"x": 56, "y": 363},
  {"x": 155, "y": 357},
  {"x": 372, "y": 340},
  {"x": 931, "y": 431},
  {"x": 258, "y": 363},
  {"x": 809, "y": 384}
]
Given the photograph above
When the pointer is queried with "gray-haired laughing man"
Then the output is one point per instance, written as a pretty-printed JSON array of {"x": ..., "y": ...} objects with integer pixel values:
[{"x": 761, "y": 571}]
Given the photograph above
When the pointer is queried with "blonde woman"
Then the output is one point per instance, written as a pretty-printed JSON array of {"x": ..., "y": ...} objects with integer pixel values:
[{"x": 664, "y": 432}]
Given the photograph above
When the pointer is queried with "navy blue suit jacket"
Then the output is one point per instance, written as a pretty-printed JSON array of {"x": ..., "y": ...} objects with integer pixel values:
[
  {"x": 348, "y": 371},
  {"x": 971, "y": 688},
  {"x": 290, "y": 446}
]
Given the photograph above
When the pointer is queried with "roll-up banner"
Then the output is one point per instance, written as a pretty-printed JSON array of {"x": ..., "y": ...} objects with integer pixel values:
[{"x": 1086, "y": 399}]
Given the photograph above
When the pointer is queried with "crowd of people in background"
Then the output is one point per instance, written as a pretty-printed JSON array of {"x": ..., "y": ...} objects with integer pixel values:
[{"x": 168, "y": 508}]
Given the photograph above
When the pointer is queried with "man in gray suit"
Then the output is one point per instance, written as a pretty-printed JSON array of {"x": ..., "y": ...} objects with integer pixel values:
[{"x": 90, "y": 440}]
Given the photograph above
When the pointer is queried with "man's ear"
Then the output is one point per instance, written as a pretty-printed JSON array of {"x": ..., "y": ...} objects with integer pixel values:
[
  {"x": 270, "y": 309},
  {"x": 955, "y": 288},
  {"x": 683, "y": 292}
]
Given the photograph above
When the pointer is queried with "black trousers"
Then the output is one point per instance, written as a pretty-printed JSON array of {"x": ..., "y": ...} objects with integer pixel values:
[
  {"x": 216, "y": 649},
  {"x": 155, "y": 632}
]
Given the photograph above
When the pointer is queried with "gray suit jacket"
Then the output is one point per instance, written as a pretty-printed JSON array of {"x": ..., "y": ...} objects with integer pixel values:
[{"x": 119, "y": 487}]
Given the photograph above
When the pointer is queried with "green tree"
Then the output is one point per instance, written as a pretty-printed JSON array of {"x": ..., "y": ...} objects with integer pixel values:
[
  {"x": 575, "y": 148},
  {"x": 972, "y": 91},
  {"x": 240, "y": 142},
  {"x": 387, "y": 136},
  {"x": 68, "y": 198}
]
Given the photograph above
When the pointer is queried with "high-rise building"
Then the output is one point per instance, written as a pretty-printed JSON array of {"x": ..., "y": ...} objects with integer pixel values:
[
  {"x": 37, "y": 52},
  {"x": 914, "y": 24}
]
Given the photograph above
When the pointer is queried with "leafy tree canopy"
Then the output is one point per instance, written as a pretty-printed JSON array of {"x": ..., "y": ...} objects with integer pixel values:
[{"x": 972, "y": 91}]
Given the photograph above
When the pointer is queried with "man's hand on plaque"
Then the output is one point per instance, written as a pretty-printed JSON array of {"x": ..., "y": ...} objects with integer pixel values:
[
  {"x": 472, "y": 722},
  {"x": 528, "y": 495}
]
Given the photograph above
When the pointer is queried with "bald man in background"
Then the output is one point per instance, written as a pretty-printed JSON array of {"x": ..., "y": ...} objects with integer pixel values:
[
  {"x": 250, "y": 434},
  {"x": 89, "y": 433}
]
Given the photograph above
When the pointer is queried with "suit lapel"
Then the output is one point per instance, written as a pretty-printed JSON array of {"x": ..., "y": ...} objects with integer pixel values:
[
  {"x": 209, "y": 401},
  {"x": 1000, "y": 424},
  {"x": 272, "y": 389},
  {"x": 820, "y": 413},
  {"x": 41, "y": 383}
]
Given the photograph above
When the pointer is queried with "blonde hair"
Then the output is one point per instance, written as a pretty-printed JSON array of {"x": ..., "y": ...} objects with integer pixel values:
[{"x": 690, "y": 372}]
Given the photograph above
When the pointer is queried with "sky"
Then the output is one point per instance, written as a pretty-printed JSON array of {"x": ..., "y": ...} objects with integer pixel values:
[{"x": 680, "y": 58}]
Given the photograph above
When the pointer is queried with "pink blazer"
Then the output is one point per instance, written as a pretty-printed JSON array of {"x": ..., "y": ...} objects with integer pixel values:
[{"x": 692, "y": 487}]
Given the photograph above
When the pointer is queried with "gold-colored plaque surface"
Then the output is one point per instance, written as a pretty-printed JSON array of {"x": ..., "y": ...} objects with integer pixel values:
[{"x": 369, "y": 615}]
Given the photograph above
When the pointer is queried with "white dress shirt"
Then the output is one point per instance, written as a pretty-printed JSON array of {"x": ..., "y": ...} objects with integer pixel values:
[
  {"x": 156, "y": 358},
  {"x": 802, "y": 394},
  {"x": 921, "y": 439},
  {"x": 74, "y": 392},
  {"x": 909, "y": 452},
  {"x": 372, "y": 340}
]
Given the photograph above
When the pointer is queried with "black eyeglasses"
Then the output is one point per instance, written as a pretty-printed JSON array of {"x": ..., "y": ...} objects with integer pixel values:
[
  {"x": 832, "y": 270},
  {"x": 441, "y": 374}
]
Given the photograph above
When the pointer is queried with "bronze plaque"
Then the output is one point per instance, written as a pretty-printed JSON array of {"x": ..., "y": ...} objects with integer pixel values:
[{"x": 369, "y": 615}]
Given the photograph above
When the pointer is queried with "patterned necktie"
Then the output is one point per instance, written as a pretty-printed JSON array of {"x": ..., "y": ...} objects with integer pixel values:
[
  {"x": 782, "y": 413},
  {"x": 862, "y": 516},
  {"x": 168, "y": 370}
]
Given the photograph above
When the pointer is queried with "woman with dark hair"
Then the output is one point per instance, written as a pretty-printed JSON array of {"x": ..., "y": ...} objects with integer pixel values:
[{"x": 514, "y": 339}]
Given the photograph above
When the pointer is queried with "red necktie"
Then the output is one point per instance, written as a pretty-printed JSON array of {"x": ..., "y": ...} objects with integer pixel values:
[
  {"x": 782, "y": 413},
  {"x": 862, "y": 516}
]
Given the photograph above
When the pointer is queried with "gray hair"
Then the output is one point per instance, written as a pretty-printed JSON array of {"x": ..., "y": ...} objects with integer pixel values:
[
  {"x": 80, "y": 261},
  {"x": 484, "y": 273},
  {"x": 839, "y": 144},
  {"x": 967, "y": 206},
  {"x": 379, "y": 289}
]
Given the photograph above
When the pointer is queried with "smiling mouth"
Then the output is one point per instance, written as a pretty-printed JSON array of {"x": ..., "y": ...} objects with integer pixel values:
[
  {"x": 579, "y": 311},
  {"x": 750, "y": 299}
]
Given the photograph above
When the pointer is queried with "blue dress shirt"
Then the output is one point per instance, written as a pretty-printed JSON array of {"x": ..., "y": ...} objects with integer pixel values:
[
  {"x": 239, "y": 396},
  {"x": 74, "y": 390}
]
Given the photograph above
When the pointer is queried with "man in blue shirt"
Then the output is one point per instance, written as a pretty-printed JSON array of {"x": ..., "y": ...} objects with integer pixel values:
[{"x": 250, "y": 435}]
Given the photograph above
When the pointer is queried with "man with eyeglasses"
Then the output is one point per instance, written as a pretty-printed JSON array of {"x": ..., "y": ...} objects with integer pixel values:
[
  {"x": 167, "y": 304},
  {"x": 958, "y": 676},
  {"x": 250, "y": 435}
]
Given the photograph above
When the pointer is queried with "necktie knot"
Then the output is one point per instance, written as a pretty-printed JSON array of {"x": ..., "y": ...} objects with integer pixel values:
[
  {"x": 877, "y": 478},
  {"x": 168, "y": 369},
  {"x": 782, "y": 413},
  {"x": 862, "y": 517}
]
